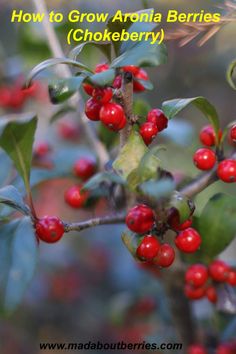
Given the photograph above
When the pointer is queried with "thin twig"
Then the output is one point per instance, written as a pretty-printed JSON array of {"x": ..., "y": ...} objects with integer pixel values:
[{"x": 107, "y": 220}]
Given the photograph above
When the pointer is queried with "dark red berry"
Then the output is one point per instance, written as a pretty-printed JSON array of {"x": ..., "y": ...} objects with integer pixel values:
[
  {"x": 142, "y": 75},
  {"x": 204, "y": 159},
  {"x": 233, "y": 133},
  {"x": 207, "y": 135},
  {"x": 196, "y": 349},
  {"x": 211, "y": 294},
  {"x": 148, "y": 247},
  {"x": 68, "y": 129},
  {"x": 158, "y": 117},
  {"x": 188, "y": 240},
  {"x": 140, "y": 219},
  {"x": 194, "y": 293},
  {"x": 49, "y": 229},
  {"x": 117, "y": 82},
  {"x": 196, "y": 275},
  {"x": 75, "y": 198},
  {"x": 148, "y": 131},
  {"x": 131, "y": 68},
  {"x": 41, "y": 149},
  {"x": 231, "y": 280},
  {"x": 85, "y": 168},
  {"x": 88, "y": 88},
  {"x": 226, "y": 171},
  {"x": 165, "y": 256},
  {"x": 219, "y": 271},
  {"x": 112, "y": 114},
  {"x": 101, "y": 67},
  {"x": 92, "y": 109},
  {"x": 102, "y": 95},
  {"x": 174, "y": 222}
]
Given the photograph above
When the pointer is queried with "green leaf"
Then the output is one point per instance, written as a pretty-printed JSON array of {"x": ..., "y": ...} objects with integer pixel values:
[
  {"x": 155, "y": 190},
  {"x": 131, "y": 241},
  {"x": 18, "y": 258},
  {"x": 101, "y": 177},
  {"x": 61, "y": 112},
  {"x": 61, "y": 90},
  {"x": 148, "y": 85},
  {"x": 183, "y": 204},
  {"x": 10, "y": 196},
  {"x": 16, "y": 138},
  {"x": 172, "y": 107},
  {"x": 142, "y": 54},
  {"x": 105, "y": 48},
  {"x": 130, "y": 155},
  {"x": 141, "y": 107},
  {"x": 105, "y": 78},
  {"x": 230, "y": 75},
  {"x": 107, "y": 137},
  {"x": 5, "y": 173}
]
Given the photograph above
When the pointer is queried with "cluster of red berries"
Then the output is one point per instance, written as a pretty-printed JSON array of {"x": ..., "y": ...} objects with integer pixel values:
[
  {"x": 205, "y": 158},
  {"x": 100, "y": 105},
  {"x": 224, "y": 348},
  {"x": 156, "y": 122},
  {"x": 201, "y": 280},
  {"x": 84, "y": 168}
]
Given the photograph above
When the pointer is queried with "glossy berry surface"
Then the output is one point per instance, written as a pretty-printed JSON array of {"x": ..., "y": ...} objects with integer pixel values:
[
  {"x": 148, "y": 247},
  {"x": 204, "y": 159},
  {"x": 196, "y": 275},
  {"x": 102, "y": 95},
  {"x": 88, "y": 88},
  {"x": 233, "y": 133},
  {"x": 101, "y": 67},
  {"x": 231, "y": 280},
  {"x": 158, "y": 117},
  {"x": 140, "y": 219},
  {"x": 219, "y": 271},
  {"x": 112, "y": 114},
  {"x": 196, "y": 349},
  {"x": 188, "y": 241},
  {"x": 84, "y": 168},
  {"x": 92, "y": 109},
  {"x": 194, "y": 293},
  {"x": 165, "y": 256},
  {"x": 49, "y": 229},
  {"x": 207, "y": 136},
  {"x": 75, "y": 198},
  {"x": 148, "y": 131},
  {"x": 226, "y": 171},
  {"x": 211, "y": 294},
  {"x": 141, "y": 74}
]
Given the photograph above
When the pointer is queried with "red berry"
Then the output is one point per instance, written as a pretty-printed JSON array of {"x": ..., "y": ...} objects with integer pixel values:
[
  {"x": 17, "y": 98},
  {"x": 173, "y": 221},
  {"x": 49, "y": 229},
  {"x": 102, "y": 95},
  {"x": 226, "y": 171},
  {"x": 88, "y": 88},
  {"x": 188, "y": 241},
  {"x": 112, "y": 114},
  {"x": 219, "y": 270},
  {"x": 231, "y": 280},
  {"x": 233, "y": 133},
  {"x": 101, "y": 67},
  {"x": 204, "y": 159},
  {"x": 185, "y": 225},
  {"x": 196, "y": 349},
  {"x": 140, "y": 219},
  {"x": 131, "y": 68},
  {"x": 5, "y": 97},
  {"x": 117, "y": 82},
  {"x": 165, "y": 256},
  {"x": 122, "y": 124},
  {"x": 148, "y": 131},
  {"x": 92, "y": 109},
  {"x": 211, "y": 294},
  {"x": 148, "y": 247},
  {"x": 32, "y": 90},
  {"x": 68, "y": 129},
  {"x": 157, "y": 117},
  {"x": 75, "y": 198},
  {"x": 84, "y": 168},
  {"x": 207, "y": 135},
  {"x": 194, "y": 293},
  {"x": 196, "y": 275},
  {"x": 142, "y": 75},
  {"x": 41, "y": 149}
]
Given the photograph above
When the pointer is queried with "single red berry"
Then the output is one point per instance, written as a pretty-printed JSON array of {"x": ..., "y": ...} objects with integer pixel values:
[
  {"x": 122, "y": 124},
  {"x": 226, "y": 171},
  {"x": 112, "y": 114},
  {"x": 148, "y": 247},
  {"x": 196, "y": 349},
  {"x": 140, "y": 219},
  {"x": 231, "y": 280},
  {"x": 92, "y": 109},
  {"x": 148, "y": 131},
  {"x": 5, "y": 97},
  {"x": 41, "y": 149},
  {"x": 158, "y": 117},
  {"x": 102, "y": 95},
  {"x": 185, "y": 225},
  {"x": 85, "y": 168},
  {"x": 142, "y": 75},
  {"x": 194, "y": 293},
  {"x": 117, "y": 82},
  {"x": 101, "y": 67},
  {"x": 88, "y": 88},
  {"x": 17, "y": 98},
  {"x": 75, "y": 198},
  {"x": 211, "y": 294},
  {"x": 131, "y": 68},
  {"x": 188, "y": 240},
  {"x": 174, "y": 222},
  {"x": 49, "y": 229},
  {"x": 196, "y": 275},
  {"x": 204, "y": 159},
  {"x": 233, "y": 133},
  {"x": 68, "y": 129},
  {"x": 207, "y": 135},
  {"x": 165, "y": 256},
  {"x": 219, "y": 270}
]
